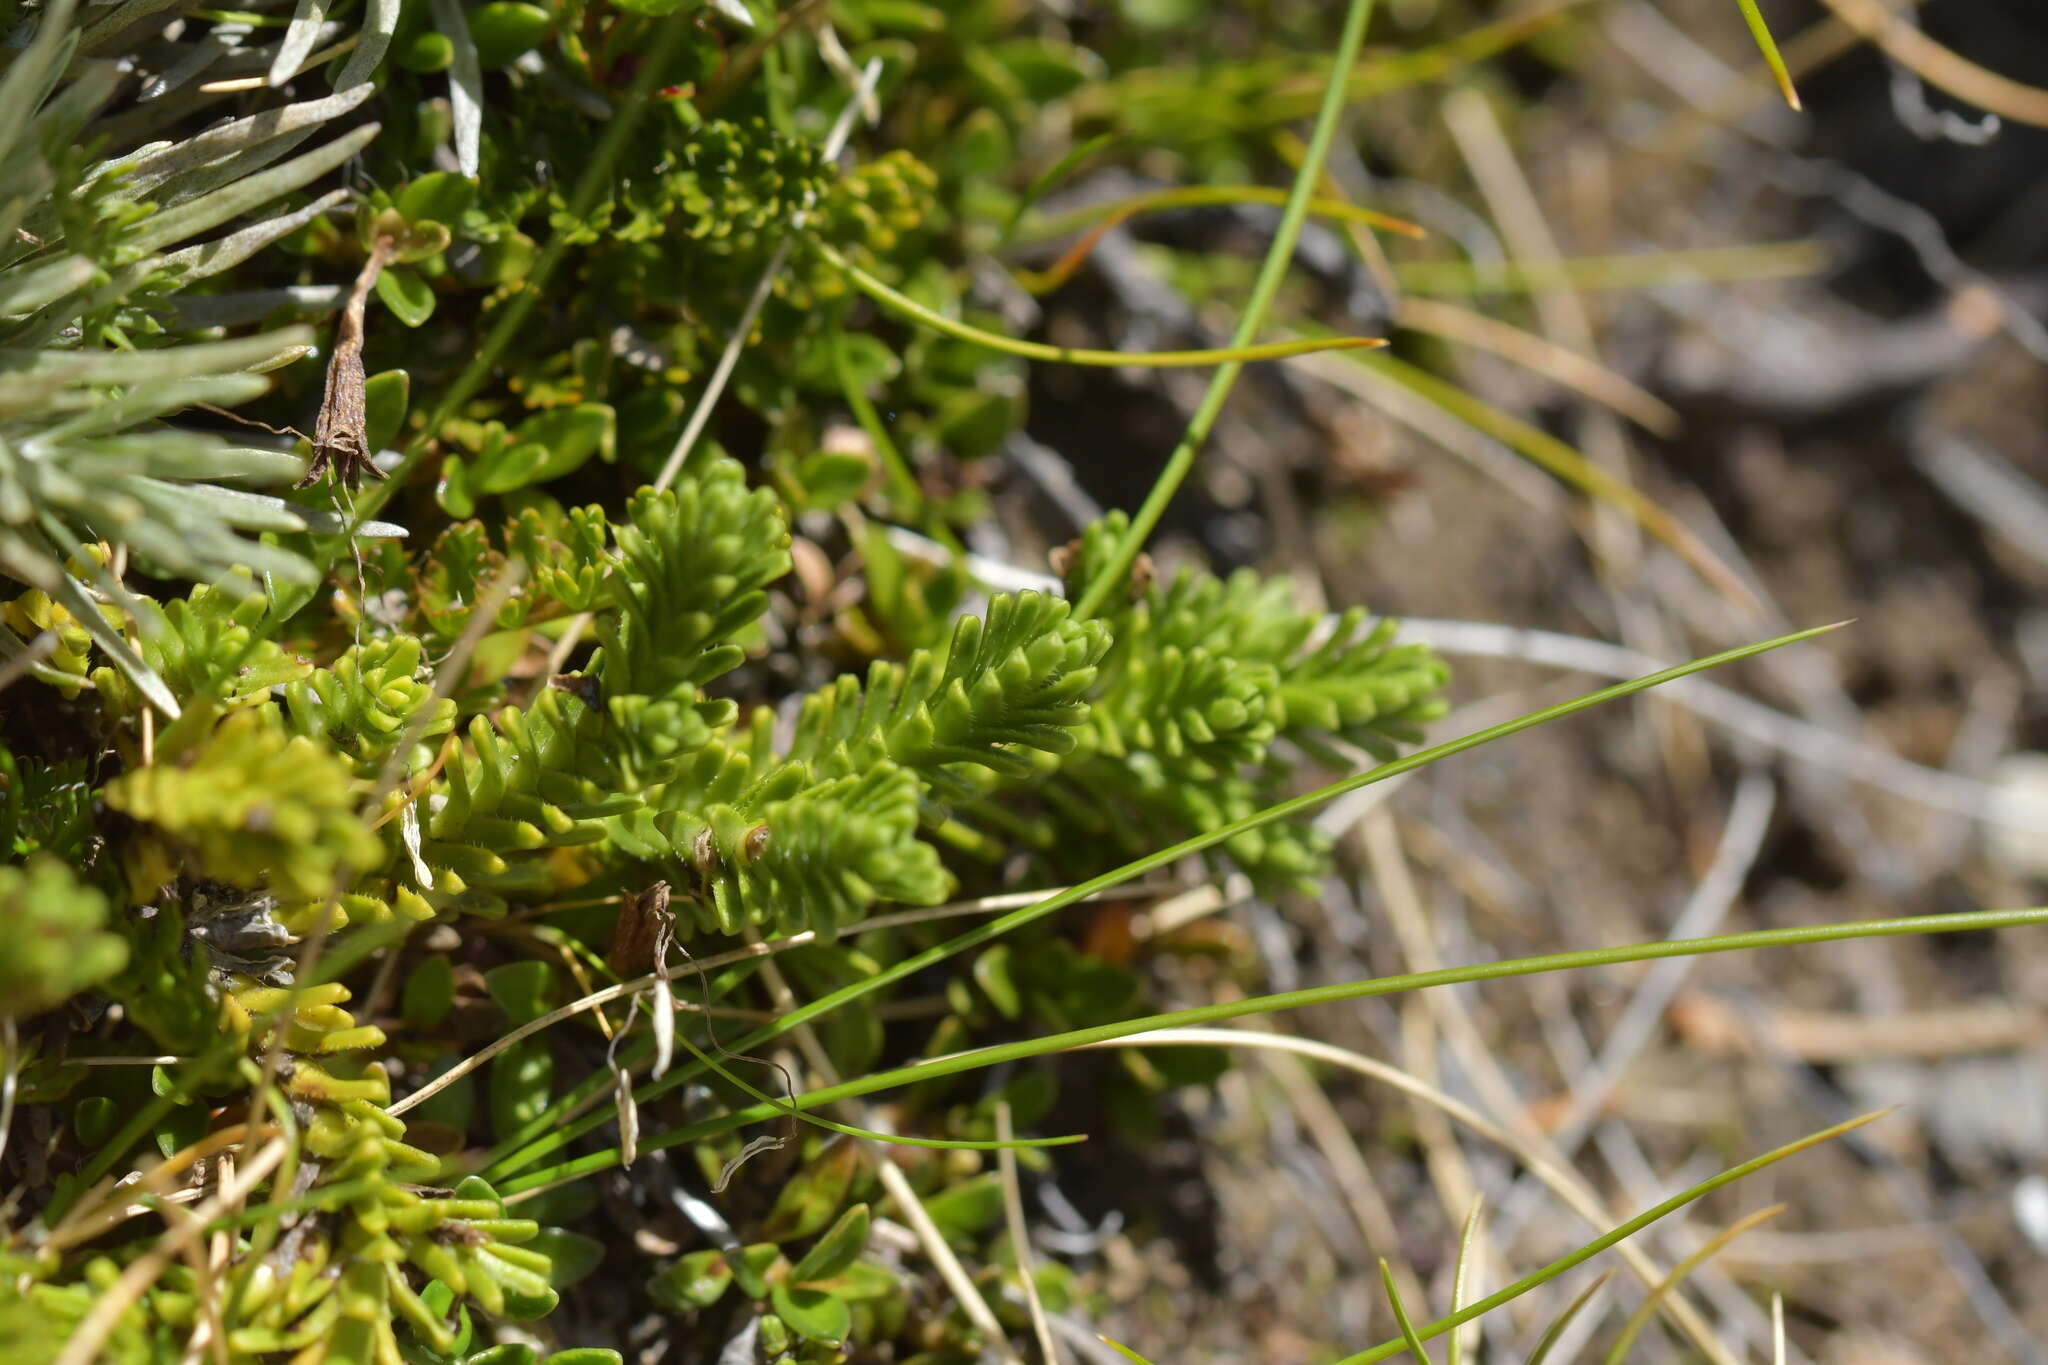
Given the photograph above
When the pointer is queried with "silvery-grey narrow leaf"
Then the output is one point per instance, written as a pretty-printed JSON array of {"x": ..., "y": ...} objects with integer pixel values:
[
  {"x": 223, "y": 506},
  {"x": 585, "y": 99},
  {"x": 741, "y": 1349},
  {"x": 465, "y": 85},
  {"x": 409, "y": 835},
  {"x": 290, "y": 355},
  {"x": 59, "y": 320},
  {"x": 110, "y": 30},
  {"x": 213, "y": 257},
  {"x": 174, "y": 541},
  {"x": 24, "y": 185},
  {"x": 253, "y": 464},
  {"x": 234, "y": 464},
  {"x": 26, "y": 656},
  {"x": 202, "y": 55},
  {"x": 153, "y": 169},
  {"x": 155, "y": 367},
  {"x": 323, "y": 521},
  {"x": 171, "y": 454},
  {"x": 175, "y": 225},
  {"x": 232, "y": 310},
  {"x": 31, "y": 393},
  {"x": 373, "y": 40},
  {"x": 70, "y": 594},
  {"x": 191, "y": 184},
  {"x": 34, "y": 73},
  {"x": 27, "y": 288},
  {"x": 298, "y": 40},
  {"x": 145, "y": 401}
]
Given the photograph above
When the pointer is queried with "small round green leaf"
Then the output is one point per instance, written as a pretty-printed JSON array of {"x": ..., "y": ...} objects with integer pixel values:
[
  {"x": 697, "y": 1280},
  {"x": 181, "y": 1127},
  {"x": 521, "y": 1306},
  {"x": 522, "y": 1082},
  {"x": 386, "y": 397},
  {"x": 970, "y": 1207},
  {"x": 750, "y": 1270},
  {"x": 438, "y": 196},
  {"x": 833, "y": 478},
  {"x": 812, "y": 1313},
  {"x": 406, "y": 295},
  {"x": 476, "y": 1187},
  {"x": 522, "y": 989},
  {"x": 506, "y": 1353},
  {"x": 571, "y": 1255},
  {"x": 992, "y": 972},
  {"x": 427, "y": 53},
  {"x": 453, "y": 492},
  {"x": 810, "y": 1197},
  {"x": 429, "y": 990},
  {"x": 95, "y": 1119},
  {"x": 505, "y": 30},
  {"x": 502, "y": 260}
]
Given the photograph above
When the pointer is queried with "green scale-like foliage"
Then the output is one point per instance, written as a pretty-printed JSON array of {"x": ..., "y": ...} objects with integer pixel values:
[
  {"x": 369, "y": 702},
  {"x": 208, "y": 646},
  {"x": 1206, "y": 678},
  {"x": 57, "y": 941},
  {"x": 692, "y": 564},
  {"x": 1007, "y": 686},
  {"x": 251, "y": 805},
  {"x": 782, "y": 848},
  {"x": 814, "y": 837}
]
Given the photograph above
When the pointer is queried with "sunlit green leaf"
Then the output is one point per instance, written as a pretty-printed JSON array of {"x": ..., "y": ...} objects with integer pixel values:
[
  {"x": 838, "y": 1248},
  {"x": 409, "y": 297},
  {"x": 812, "y": 1313}
]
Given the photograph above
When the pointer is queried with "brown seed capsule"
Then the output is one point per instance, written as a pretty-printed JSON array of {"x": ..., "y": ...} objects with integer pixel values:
[
  {"x": 755, "y": 845},
  {"x": 643, "y": 917},
  {"x": 341, "y": 438}
]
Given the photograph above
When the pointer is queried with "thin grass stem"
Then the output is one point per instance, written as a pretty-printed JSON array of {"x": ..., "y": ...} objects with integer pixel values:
[{"x": 1279, "y": 255}]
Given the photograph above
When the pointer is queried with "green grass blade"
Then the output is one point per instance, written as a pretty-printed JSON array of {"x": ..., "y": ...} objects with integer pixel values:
[
  {"x": 1051, "y": 176},
  {"x": 1625, "y": 1340},
  {"x": 1126, "y": 1352},
  {"x": 789, "y": 1110},
  {"x": 1767, "y": 45},
  {"x": 1564, "y": 1319},
  {"x": 996, "y": 1055},
  {"x": 1628, "y": 270},
  {"x": 1100, "y": 219},
  {"x": 1279, "y": 256},
  {"x": 1409, "y": 1340},
  {"x": 513, "y": 1154},
  {"x": 1238, "y": 353},
  {"x": 903, "y": 484},
  {"x": 1455, "y": 1355},
  {"x": 1607, "y": 1239}
]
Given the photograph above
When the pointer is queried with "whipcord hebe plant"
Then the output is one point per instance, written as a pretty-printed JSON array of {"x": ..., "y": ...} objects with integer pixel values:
[{"x": 271, "y": 851}]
